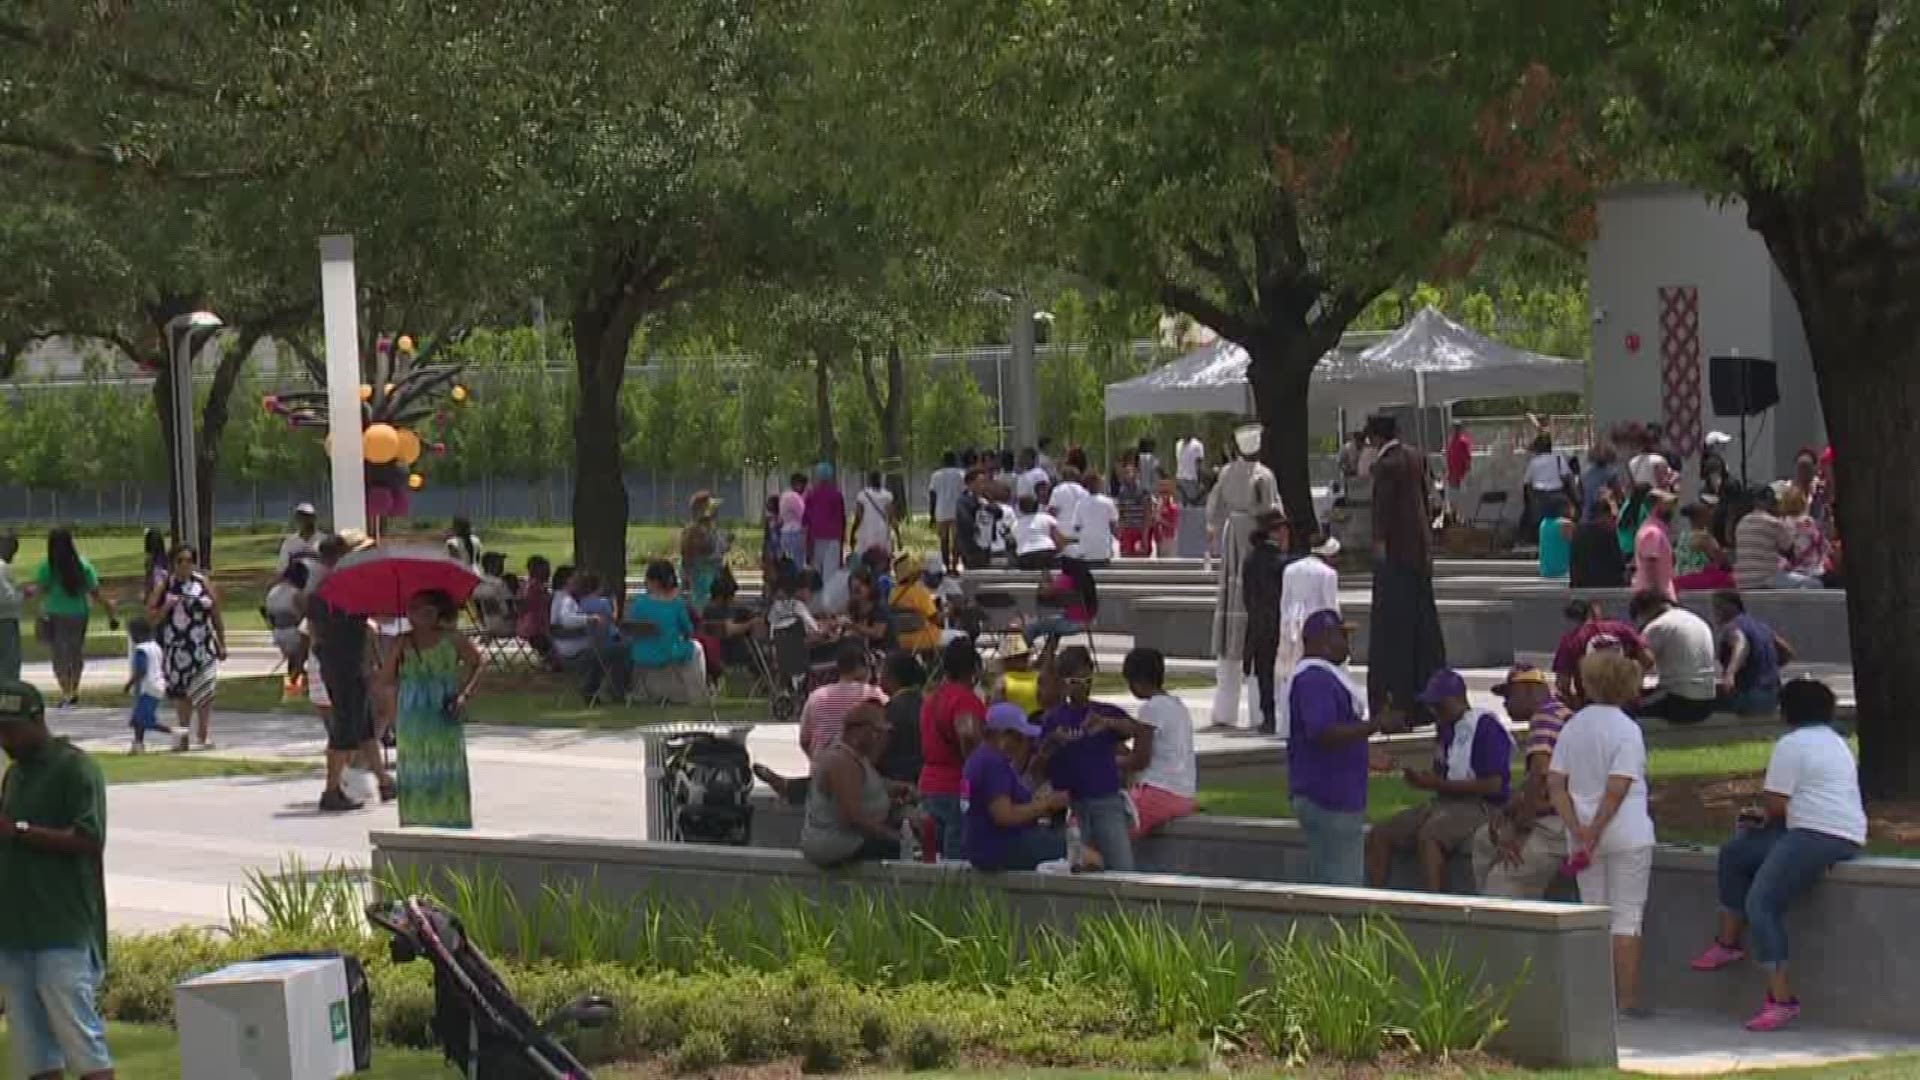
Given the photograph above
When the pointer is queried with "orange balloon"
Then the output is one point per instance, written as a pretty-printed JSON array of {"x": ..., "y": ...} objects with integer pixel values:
[
  {"x": 380, "y": 443},
  {"x": 366, "y": 392},
  {"x": 409, "y": 447},
  {"x": 416, "y": 481}
]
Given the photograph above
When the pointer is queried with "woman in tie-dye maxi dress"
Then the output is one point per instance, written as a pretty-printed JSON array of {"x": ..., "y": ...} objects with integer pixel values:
[{"x": 433, "y": 671}]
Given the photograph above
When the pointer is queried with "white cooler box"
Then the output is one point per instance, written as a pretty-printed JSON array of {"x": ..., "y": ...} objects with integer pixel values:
[{"x": 267, "y": 1020}]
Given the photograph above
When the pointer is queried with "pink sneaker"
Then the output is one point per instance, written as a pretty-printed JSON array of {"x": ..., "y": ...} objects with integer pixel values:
[
  {"x": 1716, "y": 957},
  {"x": 1774, "y": 1015}
]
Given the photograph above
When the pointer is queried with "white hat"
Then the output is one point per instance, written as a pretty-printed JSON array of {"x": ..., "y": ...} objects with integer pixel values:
[
  {"x": 1328, "y": 548},
  {"x": 1718, "y": 438},
  {"x": 1247, "y": 438},
  {"x": 304, "y": 508}
]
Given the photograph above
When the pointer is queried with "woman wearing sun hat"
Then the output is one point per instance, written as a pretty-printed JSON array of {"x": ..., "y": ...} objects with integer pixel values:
[{"x": 1003, "y": 823}]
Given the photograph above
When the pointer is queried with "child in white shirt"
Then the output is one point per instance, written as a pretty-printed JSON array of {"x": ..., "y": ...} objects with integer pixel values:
[{"x": 146, "y": 682}]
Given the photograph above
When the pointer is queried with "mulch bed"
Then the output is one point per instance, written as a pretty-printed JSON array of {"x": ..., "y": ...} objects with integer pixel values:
[{"x": 1707, "y": 807}]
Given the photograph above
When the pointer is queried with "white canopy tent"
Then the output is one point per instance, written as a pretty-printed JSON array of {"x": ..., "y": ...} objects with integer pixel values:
[{"x": 1431, "y": 360}]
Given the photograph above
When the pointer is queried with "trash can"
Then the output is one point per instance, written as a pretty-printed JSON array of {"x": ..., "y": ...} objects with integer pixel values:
[{"x": 670, "y": 791}]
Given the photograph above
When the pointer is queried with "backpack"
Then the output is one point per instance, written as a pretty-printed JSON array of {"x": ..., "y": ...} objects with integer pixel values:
[{"x": 709, "y": 780}]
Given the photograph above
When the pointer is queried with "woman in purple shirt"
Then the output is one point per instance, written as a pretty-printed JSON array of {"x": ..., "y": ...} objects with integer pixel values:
[
  {"x": 1003, "y": 830},
  {"x": 826, "y": 521},
  {"x": 1081, "y": 740}
]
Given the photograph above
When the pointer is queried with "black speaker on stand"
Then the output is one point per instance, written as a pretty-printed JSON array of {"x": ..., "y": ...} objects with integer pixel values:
[{"x": 1742, "y": 386}]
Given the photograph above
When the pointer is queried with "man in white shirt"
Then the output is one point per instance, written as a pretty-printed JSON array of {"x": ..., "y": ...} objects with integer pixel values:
[
  {"x": 1094, "y": 525},
  {"x": 1188, "y": 453},
  {"x": 1306, "y": 586},
  {"x": 1683, "y": 654},
  {"x": 1031, "y": 477},
  {"x": 943, "y": 491},
  {"x": 300, "y": 543},
  {"x": 1066, "y": 497}
]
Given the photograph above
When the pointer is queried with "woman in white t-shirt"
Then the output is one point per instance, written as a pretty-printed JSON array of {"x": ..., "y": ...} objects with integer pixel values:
[
  {"x": 1037, "y": 538},
  {"x": 1162, "y": 759},
  {"x": 1598, "y": 781},
  {"x": 1811, "y": 817},
  {"x": 873, "y": 518},
  {"x": 1545, "y": 480},
  {"x": 1095, "y": 523}
]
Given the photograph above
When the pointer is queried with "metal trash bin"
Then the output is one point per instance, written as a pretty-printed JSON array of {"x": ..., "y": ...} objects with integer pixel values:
[{"x": 663, "y": 801}]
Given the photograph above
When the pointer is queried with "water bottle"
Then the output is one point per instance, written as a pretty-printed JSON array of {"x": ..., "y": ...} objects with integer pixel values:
[
  {"x": 909, "y": 841},
  {"x": 1076, "y": 849}
]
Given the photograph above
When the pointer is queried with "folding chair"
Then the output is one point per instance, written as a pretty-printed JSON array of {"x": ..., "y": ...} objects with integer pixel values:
[
  {"x": 1002, "y": 622},
  {"x": 591, "y": 655},
  {"x": 794, "y": 672},
  {"x": 757, "y": 666},
  {"x": 1496, "y": 500},
  {"x": 647, "y": 630}
]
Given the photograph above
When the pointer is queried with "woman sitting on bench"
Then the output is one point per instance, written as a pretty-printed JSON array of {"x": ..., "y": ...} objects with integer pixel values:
[
  {"x": 1071, "y": 588},
  {"x": 1810, "y": 818}
]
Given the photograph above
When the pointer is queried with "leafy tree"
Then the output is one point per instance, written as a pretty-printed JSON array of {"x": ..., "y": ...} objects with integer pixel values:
[
  {"x": 1268, "y": 168},
  {"x": 949, "y": 413},
  {"x": 1807, "y": 113}
]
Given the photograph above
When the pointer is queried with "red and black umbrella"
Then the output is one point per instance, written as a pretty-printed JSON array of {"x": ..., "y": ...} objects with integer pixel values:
[{"x": 379, "y": 581}]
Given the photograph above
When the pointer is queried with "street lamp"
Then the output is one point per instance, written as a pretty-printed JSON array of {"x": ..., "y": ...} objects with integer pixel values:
[{"x": 181, "y": 331}]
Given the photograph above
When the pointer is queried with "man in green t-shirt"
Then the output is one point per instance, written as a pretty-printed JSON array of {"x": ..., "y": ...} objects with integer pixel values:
[{"x": 53, "y": 911}]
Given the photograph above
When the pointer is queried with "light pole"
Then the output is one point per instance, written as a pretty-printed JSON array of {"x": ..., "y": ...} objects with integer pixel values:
[{"x": 181, "y": 331}]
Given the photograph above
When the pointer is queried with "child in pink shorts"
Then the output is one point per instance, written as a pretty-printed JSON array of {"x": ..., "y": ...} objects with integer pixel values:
[{"x": 1162, "y": 762}]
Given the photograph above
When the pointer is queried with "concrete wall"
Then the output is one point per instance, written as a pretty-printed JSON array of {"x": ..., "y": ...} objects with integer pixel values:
[
  {"x": 1478, "y": 633},
  {"x": 1855, "y": 962},
  {"x": 1657, "y": 235},
  {"x": 1556, "y": 954}
]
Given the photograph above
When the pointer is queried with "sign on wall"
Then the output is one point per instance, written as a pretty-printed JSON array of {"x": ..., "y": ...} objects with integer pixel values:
[{"x": 1680, "y": 368}]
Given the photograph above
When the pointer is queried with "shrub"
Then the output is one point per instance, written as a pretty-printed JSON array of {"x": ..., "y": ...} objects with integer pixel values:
[
  {"x": 699, "y": 1051},
  {"x": 928, "y": 1046}
]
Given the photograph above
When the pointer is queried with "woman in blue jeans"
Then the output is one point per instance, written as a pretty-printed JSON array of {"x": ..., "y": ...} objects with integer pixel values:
[
  {"x": 1811, "y": 817},
  {"x": 1080, "y": 743}
]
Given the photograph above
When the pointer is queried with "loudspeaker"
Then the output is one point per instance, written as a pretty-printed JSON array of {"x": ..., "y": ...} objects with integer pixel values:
[{"x": 1742, "y": 385}]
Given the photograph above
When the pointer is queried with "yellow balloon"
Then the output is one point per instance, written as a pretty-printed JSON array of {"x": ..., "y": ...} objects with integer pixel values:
[
  {"x": 409, "y": 447},
  {"x": 406, "y": 344},
  {"x": 366, "y": 392},
  {"x": 459, "y": 393},
  {"x": 416, "y": 481},
  {"x": 379, "y": 443}
]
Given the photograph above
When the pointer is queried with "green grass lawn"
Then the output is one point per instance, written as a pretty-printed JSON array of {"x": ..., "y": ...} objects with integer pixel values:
[
  {"x": 153, "y": 1053},
  {"x": 157, "y": 765}
]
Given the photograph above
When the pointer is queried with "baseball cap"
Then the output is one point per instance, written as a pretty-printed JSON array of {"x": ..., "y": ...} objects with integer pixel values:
[
  {"x": 1321, "y": 622},
  {"x": 1445, "y": 684},
  {"x": 1006, "y": 716},
  {"x": 20, "y": 701},
  {"x": 1521, "y": 674},
  {"x": 304, "y": 508}
]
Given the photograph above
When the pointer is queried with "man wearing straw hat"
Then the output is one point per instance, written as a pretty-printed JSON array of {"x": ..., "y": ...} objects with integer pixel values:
[{"x": 1245, "y": 489}]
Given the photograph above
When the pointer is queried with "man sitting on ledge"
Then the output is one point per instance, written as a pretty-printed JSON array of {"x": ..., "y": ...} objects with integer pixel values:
[
  {"x": 1519, "y": 852},
  {"x": 1470, "y": 778}
]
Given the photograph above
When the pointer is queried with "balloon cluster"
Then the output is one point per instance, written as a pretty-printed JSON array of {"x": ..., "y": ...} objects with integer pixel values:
[{"x": 401, "y": 419}]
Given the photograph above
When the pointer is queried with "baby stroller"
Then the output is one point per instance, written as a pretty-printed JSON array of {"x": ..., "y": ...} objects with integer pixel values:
[
  {"x": 708, "y": 781},
  {"x": 484, "y": 1032}
]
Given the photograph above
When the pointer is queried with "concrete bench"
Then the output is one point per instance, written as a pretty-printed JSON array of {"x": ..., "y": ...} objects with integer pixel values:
[
  {"x": 1813, "y": 620},
  {"x": 1555, "y": 955},
  {"x": 1854, "y": 955},
  {"x": 1477, "y": 632}
]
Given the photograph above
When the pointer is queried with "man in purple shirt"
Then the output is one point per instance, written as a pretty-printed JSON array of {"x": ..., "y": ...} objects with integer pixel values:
[
  {"x": 1470, "y": 778},
  {"x": 1081, "y": 740},
  {"x": 1327, "y": 759},
  {"x": 826, "y": 521}
]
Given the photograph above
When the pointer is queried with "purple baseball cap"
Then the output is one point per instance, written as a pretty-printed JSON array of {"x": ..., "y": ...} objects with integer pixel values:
[
  {"x": 1006, "y": 716},
  {"x": 1444, "y": 685},
  {"x": 1321, "y": 622}
]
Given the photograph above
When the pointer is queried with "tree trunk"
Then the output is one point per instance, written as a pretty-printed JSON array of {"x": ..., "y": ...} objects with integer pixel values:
[
  {"x": 602, "y": 333},
  {"x": 823, "y": 409},
  {"x": 1280, "y": 371},
  {"x": 213, "y": 426},
  {"x": 1856, "y": 290}
]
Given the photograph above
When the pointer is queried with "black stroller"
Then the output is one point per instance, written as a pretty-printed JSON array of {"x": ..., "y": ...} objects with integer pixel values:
[{"x": 485, "y": 1033}]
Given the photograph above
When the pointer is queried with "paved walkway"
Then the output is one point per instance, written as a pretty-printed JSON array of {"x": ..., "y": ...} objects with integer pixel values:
[{"x": 1700, "y": 1044}]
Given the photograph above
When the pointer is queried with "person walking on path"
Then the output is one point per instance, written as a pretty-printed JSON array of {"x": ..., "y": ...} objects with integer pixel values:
[
  {"x": 186, "y": 612},
  {"x": 1327, "y": 755},
  {"x": 433, "y": 671},
  {"x": 703, "y": 551},
  {"x": 793, "y": 520},
  {"x": 11, "y": 608},
  {"x": 302, "y": 544},
  {"x": 1406, "y": 647},
  {"x": 69, "y": 587},
  {"x": 340, "y": 651},
  {"x": 826, "y": 521},
  {"x": 53, "y": 909},
  {"x": 943, "y": 495},
  {"x": 1244, "y": 489},
  {"x": 1810, "y": 818}
]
